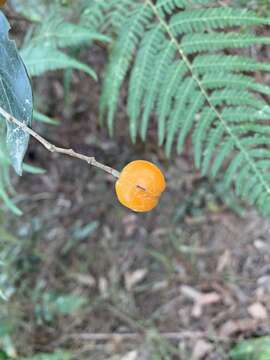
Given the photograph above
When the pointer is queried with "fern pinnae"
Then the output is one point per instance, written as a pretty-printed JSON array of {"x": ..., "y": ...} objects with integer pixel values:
[
  {"x": 219, "y": 62},
  {"x": 120, "y": 12},
  {"x": 166, "y": 95},
  {"x": 264, "y": 165},
  {"x": 105, "y": 15},
  {"x": 256, "y": 196},
  {"x": 121, "y": 57},
  {"x": 222, "y": 108},
  {"x": 241, "y": 178},
  {"x": 194, "y": 43},
  {"x": 226, "y": 127},
  {"x": 158, "y": 74},
  {"x": 221, "y": 80},
  {"x": 40, "y": 59},
  {"x": 215, "y": 137},
  {"x": 205, "y": 121},
  {"x": 199, "y": 20},
  {"x": 167, "y": 7},
  {"x": 62, "y": 34},
  {"x": 139, "y": 77},
  {"x": 255, "y": 140},
  {"x": 247, "y": 189},
  {"x": 231, "y": 172},
  {"x": 243, "y": 113},
  {"x": 236, "y": 97},
  {"x": 189, "y": 120},
  {"x": 222, "y": 152},
  {"x": 184, "y": 92},
  {"x": 251, "y": 127}
]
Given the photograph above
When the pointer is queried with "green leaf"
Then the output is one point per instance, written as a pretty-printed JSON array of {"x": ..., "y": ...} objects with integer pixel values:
[
  {"x": 69, "y": 304},
  {"x": 33, "y": 169},
  {"x": 57, "y": 33},
  {"x": 40, "y": 59},
  {"x": 15, "y": 95},
  {"x": 54, "y": 304},
  {"x": 253, "y": 349},
  {"x": 38, "y": 116}
]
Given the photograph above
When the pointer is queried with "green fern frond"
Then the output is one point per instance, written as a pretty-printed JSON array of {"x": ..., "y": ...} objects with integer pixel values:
[
  {"x": 189, "y": 119},
  {"x": 194, "y": 43},
  {"x": 164, "y": 7},
  {"x": 213, "y": 140},
  {"x": 62, "y": 34},
  {"x": 235, "y": 97},
  {"x": 40, "y": 59},
  {"x": 217, "y": 62},
  {"x": 158, "y": 73},
  {"x": 201, "y": 131},
  {"x": 140, "y": 76},
  {"x": 178, "y": 114},
  {"x": 120, "y": 59},
  {"x": 185, "y": 71},
  {"x": 106, "y": 16},
  {"x": 168, "y": 90},
  {"x": 200, "y": 20},
  {"x": 44, "y": 43},
  {"x": 221, "y": 80}
]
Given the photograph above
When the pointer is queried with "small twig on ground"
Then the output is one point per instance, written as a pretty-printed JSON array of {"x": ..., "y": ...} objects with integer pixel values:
[
  {"x": 135, "y": 336},
  {"x": 55, "y": 149},
  {"x": 133, "y": 324}
]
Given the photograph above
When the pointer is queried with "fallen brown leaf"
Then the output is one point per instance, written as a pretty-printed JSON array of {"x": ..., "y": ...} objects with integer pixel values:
[
  {"x": 232, "y": 327},
  {"x": 201, "y": 349},
  {"x": 133, "y": 278},
  {"x": 258, "y": 311}
]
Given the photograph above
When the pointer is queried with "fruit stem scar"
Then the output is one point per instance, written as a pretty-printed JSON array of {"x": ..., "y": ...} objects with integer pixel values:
[{"x": 141, "y": 187}]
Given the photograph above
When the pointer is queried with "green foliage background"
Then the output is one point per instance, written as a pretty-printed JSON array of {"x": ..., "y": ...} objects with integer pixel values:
[{"x": 185, "y": 65}]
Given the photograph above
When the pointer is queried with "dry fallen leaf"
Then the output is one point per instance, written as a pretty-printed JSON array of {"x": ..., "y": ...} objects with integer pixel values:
[
  {"x": 130, "y": 223},
  {"x": 103, "y": 286},
  {"x": 223, "y": 261},
  {"x": 258, "y": 311},
  {"x": 200, "y": 299},
  {"x": 232, "y": 327},
  {"x": 133, "y": 278},
  {"x": 190, "y": 292},
  {"x": 131, "y": 355},
  {"x": 84, "y": 279},
  {"x": 201, "y": 349},
  {"x": 209, "y": 298}
]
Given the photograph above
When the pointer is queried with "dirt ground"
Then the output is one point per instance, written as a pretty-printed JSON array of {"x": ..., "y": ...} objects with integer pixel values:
[{"x": 185, "y": 281}]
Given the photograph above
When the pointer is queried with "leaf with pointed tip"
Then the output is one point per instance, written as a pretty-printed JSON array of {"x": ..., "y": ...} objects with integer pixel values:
[{"x": 15, "y": 95}]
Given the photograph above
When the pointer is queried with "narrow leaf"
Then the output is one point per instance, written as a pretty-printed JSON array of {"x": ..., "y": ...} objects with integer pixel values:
[{"x": 15, "y": 95}]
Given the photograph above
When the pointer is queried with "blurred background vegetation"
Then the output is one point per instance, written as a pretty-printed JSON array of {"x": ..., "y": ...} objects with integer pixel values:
[{"x": 83, "y": 278}]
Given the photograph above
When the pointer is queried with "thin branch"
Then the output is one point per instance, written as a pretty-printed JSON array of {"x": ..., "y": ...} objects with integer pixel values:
[{"x": 55, "y": 149}]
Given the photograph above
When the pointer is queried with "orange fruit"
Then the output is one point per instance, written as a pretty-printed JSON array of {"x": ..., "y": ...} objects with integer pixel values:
[{"x": 140, "y": 185}]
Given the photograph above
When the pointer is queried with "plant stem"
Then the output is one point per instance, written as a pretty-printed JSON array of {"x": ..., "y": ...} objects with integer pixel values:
[{"x": 55, "y": 149}]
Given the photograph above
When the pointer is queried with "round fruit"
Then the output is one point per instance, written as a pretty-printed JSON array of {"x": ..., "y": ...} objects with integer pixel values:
[{"x": 140, "y": 185}]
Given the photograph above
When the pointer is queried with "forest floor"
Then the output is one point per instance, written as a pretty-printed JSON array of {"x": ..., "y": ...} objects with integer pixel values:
[{"x": 187, "y": 280}]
